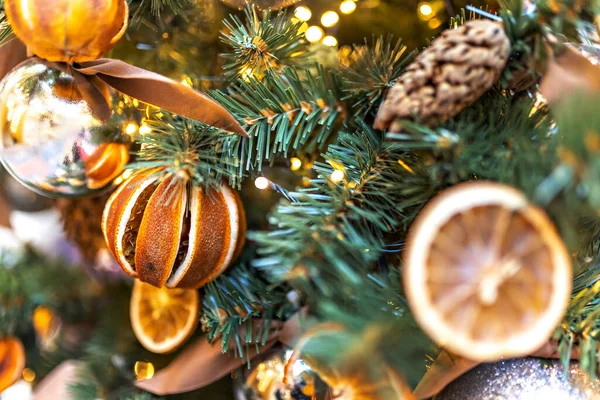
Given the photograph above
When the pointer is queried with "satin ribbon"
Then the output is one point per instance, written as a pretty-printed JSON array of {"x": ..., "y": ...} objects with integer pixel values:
[{"x": 94, "y": 78}]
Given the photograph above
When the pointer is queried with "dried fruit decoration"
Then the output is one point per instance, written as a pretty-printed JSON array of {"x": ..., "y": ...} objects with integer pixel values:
[
  {"x": 485, "y": 273},
  {"x": 163, "y": 319},
  {"x": 12, "y": 361},
  {"x": 166, "y": 232},
  {"x": 458, "y": 67},
  {"x": 68, "y": 30}
]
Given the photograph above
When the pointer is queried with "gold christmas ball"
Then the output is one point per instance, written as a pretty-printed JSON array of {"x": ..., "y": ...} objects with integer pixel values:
[
  {"x": 68, "y": 30},
  {"x": 49, "y": 139},
  {"x": 166, "y": 232},
  {"x": 265, "y": 379},
  {"x": 262, "y": 4},
  {"x": 523, "y": 378}
]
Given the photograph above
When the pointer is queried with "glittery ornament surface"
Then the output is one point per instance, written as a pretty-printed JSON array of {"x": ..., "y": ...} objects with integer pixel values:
[
  {"x": 262, "y": 4},
  {"x": 523, "y": 379},
  {"x": 50, "y": 140},
  {"x": 264, "y": 381}
]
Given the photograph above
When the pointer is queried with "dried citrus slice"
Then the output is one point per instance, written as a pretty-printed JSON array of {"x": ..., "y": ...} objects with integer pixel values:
[
  {"x": 12, "y": 361},
  {"x": 485, "y": 272},
  {"x": 163, "y": 318}
]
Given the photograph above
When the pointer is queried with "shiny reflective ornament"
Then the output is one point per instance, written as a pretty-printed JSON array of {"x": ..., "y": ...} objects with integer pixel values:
[
  {"x": 523, "y": 379},
  {"x": 262, "y": 4},
  {"x": 50, "y": 140},
  {"x": 264, "y": 381}
]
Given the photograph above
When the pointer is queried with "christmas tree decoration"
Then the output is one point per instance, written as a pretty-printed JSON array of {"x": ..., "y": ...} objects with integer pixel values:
[
  {"x": 163, "y": 319},
  {"x": 524, "y": 378},
  {"x": 485, "y": 272},
  {"x": 262, "y": 4},
  {"x": 165, "y": 231},
  {"x": 82, "y": 219},
  {"x": 12, "y": 361},
  {"x": 457, "y": 68},
  {"x": 51, "y": 141},
  {"x": 265, "y": 379},
  {"x": 68, "y": 30}
]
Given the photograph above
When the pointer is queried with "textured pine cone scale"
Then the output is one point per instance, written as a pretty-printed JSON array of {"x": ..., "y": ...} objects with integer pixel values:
[{"x": 458, "y": 67}]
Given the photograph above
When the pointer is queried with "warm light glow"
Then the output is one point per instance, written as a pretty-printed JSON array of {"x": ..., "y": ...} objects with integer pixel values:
[
  {"x": 337, "y": 175},
  {"x": 348, "y": 7},
  {"x": 127, "y": 174},
  {"x": 28, "y": 375},
  {"x": 145, "y": 129},
  {"x": 329, "y": 18},
  {"x": 303, "y": 13},
  {"x": 314, "y": 34},
  {"x": 330, "y": 41},
  {"x": 261, "y": 183},
  {"x": 187, "y": 82},
  {"x": 434, "y": 23},
  {"x": 130, "y": 129},
  {"x": 425, "y": 9},
  {"x": 143, "y": 370},
  {"x": 296, "y": 163}
]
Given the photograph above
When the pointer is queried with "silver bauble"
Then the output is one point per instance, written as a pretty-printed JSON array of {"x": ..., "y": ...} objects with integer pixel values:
[
  {"x": 264, "y": 380},
  {"x": 523, "y": 379},
  {"x": 262, "y": 4},
  {"x": 49, "y": 139}
]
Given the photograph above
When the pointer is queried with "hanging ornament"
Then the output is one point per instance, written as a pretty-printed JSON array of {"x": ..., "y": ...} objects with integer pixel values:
[
  {"x": 12, "y": 361},
  {"x": 262, "y": 4},
  {"x": 486, "y": 274},
  {"x": 265, "y": 379},
  {"x": 164, "y": 231},
  {"x": 68, "y": 30},
  {"x": 450, "y": 75},
  {"x": 163, "y": 319},
  {"x": 51, "y": 142},
  {"x": 524, "y": 378}
]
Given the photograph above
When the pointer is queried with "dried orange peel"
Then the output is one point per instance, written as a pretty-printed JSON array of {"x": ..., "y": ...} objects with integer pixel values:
[
  {"x": 485, "y": 273},
  {"x": 163, "y": 319},
  {"x": 12, "y": 361}
]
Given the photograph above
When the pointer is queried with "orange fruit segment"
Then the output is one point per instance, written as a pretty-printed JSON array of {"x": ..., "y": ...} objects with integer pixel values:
[
  {"x": 105, "y": 164},
  {"x": 12, "y": 361},
  {"x": 163, "y": 319},
  {"x": 485, "y": 273}
]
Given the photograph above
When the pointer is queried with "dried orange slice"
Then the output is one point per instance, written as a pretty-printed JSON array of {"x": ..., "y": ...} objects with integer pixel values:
[
  {"x": 12, "y": 361},
  {"x": 105, "y": 164},
  {"x": 485, "y": 273},
  {"x": 161, "y": 318}
]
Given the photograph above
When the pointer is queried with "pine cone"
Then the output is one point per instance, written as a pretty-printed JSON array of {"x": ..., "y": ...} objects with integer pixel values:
[
  {"x": 82, "y": 221},
  {"x": 450, "y": 75}
]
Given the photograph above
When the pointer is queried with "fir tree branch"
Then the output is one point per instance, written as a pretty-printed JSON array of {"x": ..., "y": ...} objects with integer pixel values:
[
  {"x": 264, "y": 43},
  {"x": 5, "y": 29},
  {"x": 158, "y": 7},
  {"x": 372, "y": 70},
  {"x": 205, "y": 154},
  {"x": 240, "y": 306},
  {"x": 285, "y": 113}
]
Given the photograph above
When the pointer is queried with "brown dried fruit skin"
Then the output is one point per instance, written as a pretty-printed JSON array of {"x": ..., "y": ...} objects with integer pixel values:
[
  {"x": 12, "y": 361},
  {"x": 458, "y": 67},
  {"x": 179, "y": 235},
  {"x": 68, "y": 30}
]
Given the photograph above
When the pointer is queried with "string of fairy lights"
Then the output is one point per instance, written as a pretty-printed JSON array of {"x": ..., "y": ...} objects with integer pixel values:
[{"x": 329, "y": 19}]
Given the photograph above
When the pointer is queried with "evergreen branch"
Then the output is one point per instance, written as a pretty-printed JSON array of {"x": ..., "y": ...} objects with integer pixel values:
[
  {"x": 156, "y": 8},
  {"x": 326, "y": 242},
  {"x": 31, "y": 280},
  {"x": 240, "y": 306},
  {"x": 265, "y": 43},
  {"x": 372, "y": 70},
  {"x": 5, "y": 29},
  {"x": 286, "y": 114},
  {"x": 205, "y": 154}
]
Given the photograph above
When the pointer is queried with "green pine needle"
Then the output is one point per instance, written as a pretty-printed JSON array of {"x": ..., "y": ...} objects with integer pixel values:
[
  {"x": 264, "y": 43},
  {"x": 372, "y": 70}
]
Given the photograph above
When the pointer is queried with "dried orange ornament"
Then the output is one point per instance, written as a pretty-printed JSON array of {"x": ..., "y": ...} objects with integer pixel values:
[
  {"x": 485, "y": 273},
  {"x": 68, "y": 30},
  {"x": 163, "y": 319},
  {"x": 166, "y": 232},
  {"x": 12, "y": 361},
  {"x": 105, "y": 164}
]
